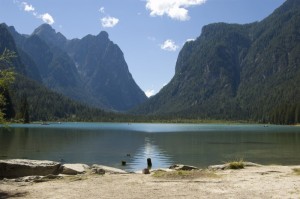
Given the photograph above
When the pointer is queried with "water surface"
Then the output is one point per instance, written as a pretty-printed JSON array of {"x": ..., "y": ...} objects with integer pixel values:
[{"x": 110, "y": 143}]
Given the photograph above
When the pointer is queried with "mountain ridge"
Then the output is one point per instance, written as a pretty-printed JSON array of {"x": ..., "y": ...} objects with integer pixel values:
[
  {"x": 58, "y": 63},
  {"x": 27, "y": 96},
  {"x": 237, "y": 72}
]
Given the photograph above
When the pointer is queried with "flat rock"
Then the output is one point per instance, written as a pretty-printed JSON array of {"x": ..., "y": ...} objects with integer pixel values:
[
  {"x": 218, "y": 167},
  {"x": 73, "y": 169},
  {"x": 183, "y": 167},
  {"x": 15, "y": 168},
  {"x": 109, "y": 170}
]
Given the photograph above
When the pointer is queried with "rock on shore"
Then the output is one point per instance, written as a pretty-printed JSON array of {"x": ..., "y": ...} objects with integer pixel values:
[
  {"x": 16, "y": 168},
  {"x": 183, "y": 167},
  {"x": 21, "y": 167},
  {"x": 106, "y": 169},
  {"x": 73, "y": 169}
]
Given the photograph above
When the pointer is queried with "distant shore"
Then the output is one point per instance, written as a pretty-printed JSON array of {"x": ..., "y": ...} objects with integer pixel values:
[
  {"x": 157, "y": 121},
  {"x": 251, "y": 182}
]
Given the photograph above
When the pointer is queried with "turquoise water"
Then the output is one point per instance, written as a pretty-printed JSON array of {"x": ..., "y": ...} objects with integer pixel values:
[{"x": 110, "y": 143}]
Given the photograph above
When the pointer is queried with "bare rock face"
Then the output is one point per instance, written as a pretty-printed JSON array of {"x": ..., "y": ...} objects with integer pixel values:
[
  {"x": 21, "y": 167},
  {"x": 73, "y": 169}
]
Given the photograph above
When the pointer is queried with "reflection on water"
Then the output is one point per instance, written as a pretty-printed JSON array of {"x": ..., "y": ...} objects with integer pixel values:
[
  {"x": 109, "y": 144},
  {"x": 160, "y": 158}
]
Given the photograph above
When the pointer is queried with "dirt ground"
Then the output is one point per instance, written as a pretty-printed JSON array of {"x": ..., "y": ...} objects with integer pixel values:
[{"x": 251, "y": 182}]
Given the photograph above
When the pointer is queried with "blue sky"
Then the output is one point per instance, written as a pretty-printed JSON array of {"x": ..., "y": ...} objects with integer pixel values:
[{"x": 149, "y": 32}]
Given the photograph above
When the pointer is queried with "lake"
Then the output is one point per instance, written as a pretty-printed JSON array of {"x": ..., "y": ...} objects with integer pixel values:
[{"x": 166, "y": 144}]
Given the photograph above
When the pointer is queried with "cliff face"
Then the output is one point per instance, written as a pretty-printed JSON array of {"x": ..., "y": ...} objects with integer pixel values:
[
  {"x": 91, "y": 70},
  {"x": 104, "y": 71},
  {"x": 237, "y": 71}
]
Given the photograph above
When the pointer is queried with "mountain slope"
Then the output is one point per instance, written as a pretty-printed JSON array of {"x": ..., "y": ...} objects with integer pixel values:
[
  {"x": 7, "y": 42},
  {"x": 46, "y": 105},
  {"x": 272, "y": 66},
  {"x": 248, "y": 72},
  {"x": 91, "y": 70},
  {"x": 104, "y": 71},
  {"x": 56, "y": 69},
  {"x": 43, "y": 104},
  {"x": 50, "y": 36}
]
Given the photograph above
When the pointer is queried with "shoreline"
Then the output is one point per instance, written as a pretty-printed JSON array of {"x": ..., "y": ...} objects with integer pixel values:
[
  {"x": 187, "y": 122},
  {"x": 259, "y": 181}
]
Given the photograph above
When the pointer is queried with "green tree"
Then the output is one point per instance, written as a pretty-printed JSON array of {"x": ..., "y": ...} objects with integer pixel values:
[{"x": 7, "y": 77}]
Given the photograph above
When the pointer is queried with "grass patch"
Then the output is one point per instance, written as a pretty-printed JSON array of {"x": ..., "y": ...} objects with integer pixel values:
[
  {"x": 184, "y": 174},
  {"x": 297, "y": 171},
  {"x": 236, "y": 164},
  {"x": 75, "y": 178}
]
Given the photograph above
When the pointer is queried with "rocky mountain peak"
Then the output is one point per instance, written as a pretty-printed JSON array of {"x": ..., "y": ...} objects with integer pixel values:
[
  {"x": 50, "y": 36},
  {"x": 103, "y": 35},
  {"x": 91, "y": 70},
  {"x": 44, "y": 29}
]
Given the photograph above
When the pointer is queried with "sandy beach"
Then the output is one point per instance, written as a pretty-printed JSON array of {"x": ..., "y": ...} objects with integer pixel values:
[{"x": 251, "y": 182}]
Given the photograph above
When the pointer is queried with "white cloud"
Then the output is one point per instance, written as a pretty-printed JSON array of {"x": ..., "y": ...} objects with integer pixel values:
[
  {"x": 150, "y": 92},
  {"x": 27, "y": 7},
  {"x": 175, "y": 9},
  {"x": 102, "y": 10},
  {"x": 169, "y": 45},
  {"x": 47, "y": 18},
  {"x": 189, "y": 40},
  {"x": 109, "y": 22}
]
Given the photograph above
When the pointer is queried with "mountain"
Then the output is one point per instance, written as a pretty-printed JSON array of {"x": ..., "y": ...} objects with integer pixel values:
[
  {"x": 104, "y": 71},
  {"x": 50, "y": 36},
  {"x": 7, "y": 42},
  {"x": 57, "y": 70},
  {"x": 91, "y": 70},
  {"x": 46, "y": 105},
  {"x": 42, "y": 103},
  {"x": 237, "y": 72}
]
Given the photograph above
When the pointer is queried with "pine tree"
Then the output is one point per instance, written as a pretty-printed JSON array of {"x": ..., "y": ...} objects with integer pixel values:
[
  {"x": 8, "y": 109},
  {"x": 7, "y": 77}
]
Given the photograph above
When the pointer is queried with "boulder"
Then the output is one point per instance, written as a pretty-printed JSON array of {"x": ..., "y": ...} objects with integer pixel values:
[
  {"x": 73, "y": 169},
  {"x": 98, "y": 171},
  {"x": 15, "y": 168},
  {"x": 183, "y": 167},
  {"x": 109, "y": 170}
]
